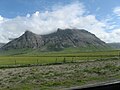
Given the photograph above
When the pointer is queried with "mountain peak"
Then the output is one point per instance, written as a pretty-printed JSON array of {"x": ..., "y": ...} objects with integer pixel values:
[
  {"x": 59, "y": 29},
  {"x": 28, "y": 32}
]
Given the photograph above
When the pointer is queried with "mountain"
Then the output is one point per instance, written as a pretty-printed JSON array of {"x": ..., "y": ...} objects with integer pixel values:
[
  {"x": 27, "y": 40},
  {"x": 114, "y": 45},
  {"x": 62, "y": 38}
]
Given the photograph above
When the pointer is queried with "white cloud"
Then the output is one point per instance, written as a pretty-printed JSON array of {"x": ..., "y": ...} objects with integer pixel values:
[
  {"x": 69, "y": 16},
  {"x": 116, "y": 10},
  {"x": 1, "y": 18},
  {"x": 114, "y": 36},
  {"x": 28, "y": 15}
]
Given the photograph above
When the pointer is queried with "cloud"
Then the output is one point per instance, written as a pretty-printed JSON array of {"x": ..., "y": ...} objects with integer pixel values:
[
  {"x": 68, "y": 16},
  {"x": 116, "y": 10},
  {"x": 40, "y": 22}
]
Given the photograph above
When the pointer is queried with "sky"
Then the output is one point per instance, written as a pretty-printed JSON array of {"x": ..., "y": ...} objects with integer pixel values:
[{"x": 100, "y": 17}]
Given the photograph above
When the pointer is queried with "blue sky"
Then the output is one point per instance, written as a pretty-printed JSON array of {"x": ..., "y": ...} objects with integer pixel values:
[
  {"x": 100, "y": 17},
  {"x": 22, "y": 7},
  {"x": 13, "y": 8}
]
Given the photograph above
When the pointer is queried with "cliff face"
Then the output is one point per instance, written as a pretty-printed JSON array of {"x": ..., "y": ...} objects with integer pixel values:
[{"x": 63, "y": 38}]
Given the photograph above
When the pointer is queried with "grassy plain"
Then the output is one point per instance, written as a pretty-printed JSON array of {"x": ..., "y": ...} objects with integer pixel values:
[{"x": 55, "y": 57}]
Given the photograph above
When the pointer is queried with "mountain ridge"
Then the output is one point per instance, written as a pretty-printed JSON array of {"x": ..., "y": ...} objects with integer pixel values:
[{"x": 62, "y": 38}]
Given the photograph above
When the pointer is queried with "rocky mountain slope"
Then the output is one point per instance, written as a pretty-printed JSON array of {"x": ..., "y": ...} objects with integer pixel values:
[
  {"x": 2, "y": 44},
  {"x": 62, "y": 38}
]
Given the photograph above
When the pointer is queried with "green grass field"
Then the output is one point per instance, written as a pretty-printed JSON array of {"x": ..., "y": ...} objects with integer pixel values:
[
  {"x": 51, "y": 77},
  {"x": 54, "y": 57}
]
